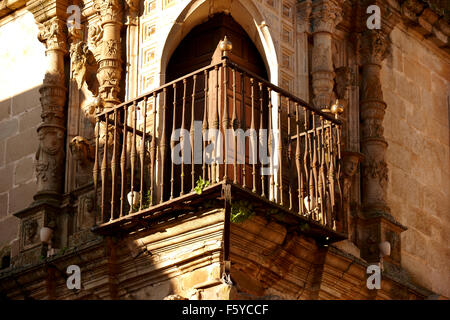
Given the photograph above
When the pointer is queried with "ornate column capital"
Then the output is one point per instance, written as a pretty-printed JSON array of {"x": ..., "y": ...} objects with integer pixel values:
[
  {"x": 133, "y": 10},
  {"x": 304, "y": 10},
  {"x": 52, "y": 33},
  {"x": 326, "y": 15},
  {"x": 374, "y": 47},
  {"x": 109, "y": 10}
]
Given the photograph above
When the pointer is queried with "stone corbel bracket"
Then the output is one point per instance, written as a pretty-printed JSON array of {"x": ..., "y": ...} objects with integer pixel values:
[{"x": 428, "y": 19}]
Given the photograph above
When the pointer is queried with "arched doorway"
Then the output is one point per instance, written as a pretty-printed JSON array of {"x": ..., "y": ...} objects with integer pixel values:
[{"x": 200, "y": 49}]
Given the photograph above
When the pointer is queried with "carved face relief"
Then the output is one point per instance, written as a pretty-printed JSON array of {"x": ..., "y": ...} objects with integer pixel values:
[
  {"x": 30, "y": 231},
  {"x": 350, "y": 166},
  {"x": 81, "y": 149},
  {"x": 51, "y": 141}
]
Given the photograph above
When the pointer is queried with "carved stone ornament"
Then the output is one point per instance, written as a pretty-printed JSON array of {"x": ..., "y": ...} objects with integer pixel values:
[
  {"x": 326, "y": 15},
  {"x": 52, "y": 34},
  {"x": 109, "y": 10},
  {"x": 304, "y": 10},
  {"x": 111, "y": 48},
  {"x": 84, "y": 66},
  {"x": 49, "y": 161},
  {"x": 95, "y": 35},
  {"x": 30, "y": 232},
  {"x": 349, "y": 168},
  {"x": 81, "y": 150},
  {"x": 344, "y": 79},
  {"x": 378, "y": 170},
  {"x": 374, "y": 47},
  {"x": 372, "y": 128}
]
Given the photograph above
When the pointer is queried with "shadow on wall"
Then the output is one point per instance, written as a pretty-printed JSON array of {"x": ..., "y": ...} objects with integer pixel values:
[{"x": 19, "y": 119}]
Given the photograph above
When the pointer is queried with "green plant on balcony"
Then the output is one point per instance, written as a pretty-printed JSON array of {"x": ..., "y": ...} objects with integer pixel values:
[
  {"x": 241, "y": 210},
  {"x": 200, "y": 185}
]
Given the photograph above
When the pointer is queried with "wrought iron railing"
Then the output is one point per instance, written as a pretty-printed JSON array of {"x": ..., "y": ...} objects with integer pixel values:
[{"x": 229, "y": 124}]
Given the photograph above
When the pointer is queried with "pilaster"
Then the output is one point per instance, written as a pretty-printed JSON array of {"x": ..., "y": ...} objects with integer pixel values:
[
  {"x": 376, "y": 224},
  {"x": 326, "y": 15}
]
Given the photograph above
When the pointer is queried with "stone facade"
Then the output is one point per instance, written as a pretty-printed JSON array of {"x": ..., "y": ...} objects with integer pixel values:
[
  {"x": 415, "y": 82},
  {"x": 393, "y": 86},
  {"x": 19, "y": 117}
]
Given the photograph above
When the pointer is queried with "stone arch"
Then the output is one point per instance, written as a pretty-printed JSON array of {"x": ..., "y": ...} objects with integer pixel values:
[{"x": 243, "y": 12}]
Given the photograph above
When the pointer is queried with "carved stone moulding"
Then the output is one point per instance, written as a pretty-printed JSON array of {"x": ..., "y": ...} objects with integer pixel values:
[
  {"x": 374, "y": 47},
  {"x": 43, "y": 10},
  {"x": 53, "y": 33},
  {"x": 109, "y": 10},
  {"x": 326, "y": 15}
]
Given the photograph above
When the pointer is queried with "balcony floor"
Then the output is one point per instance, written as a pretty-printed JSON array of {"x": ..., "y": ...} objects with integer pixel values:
[{"x": 213, "y": 197}]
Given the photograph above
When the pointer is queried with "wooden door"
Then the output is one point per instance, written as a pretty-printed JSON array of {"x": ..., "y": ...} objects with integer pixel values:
[{"x": 199, "y": 49}]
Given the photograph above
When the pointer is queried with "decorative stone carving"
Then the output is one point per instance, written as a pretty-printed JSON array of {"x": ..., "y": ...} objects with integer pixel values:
[
  {"x": 377, "y": 170},
  {"x": 50, "y": 158},
  {"x": 84, "y": 66},
  {"x": 374, "y": 47},
  {"x": 373, "y": 50},
  {"x": 95, "y": 35},
  {"x": 30, "y": 229},
  {"x": 133, "y": 10},
  {"x": 326, "y": 14},
  {"x": 350, "y": 166},
  {"x": 52, "y": 34},
  {"x": 304, "y": 10},
  {"x": 82, "y": 150},
  {"x": 344, "y": 79},
  {"x": 376, "y": 217},
  {"x": 50, "y": 154},
  {"x": 109, "y": 71}
]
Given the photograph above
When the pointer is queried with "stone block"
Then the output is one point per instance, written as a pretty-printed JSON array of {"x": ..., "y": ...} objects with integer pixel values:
[
  {"x": 3, "y": 205},
  {"x": 9, "y": 229},
  {"x": 418, "y": 270},
  {"x": 24, "y": 170},
  {"x": 420, "y": 220},
  {"x": 417, "y": 73},
  {"x": 5, "y": 109},
  {"x": 8, "y": 128},
  {"x": 387, "y": 79},
  {"x": 21, "y": 196},
  {"x": 397, "y": 57},
  {"x": 21, "y": 145},
  {"x": 439, "y": 107},
  {"x": 30, "y": 118},
  {"x": 408, "y": 90},
  {"x": 25, "y": 101},
  {"x": 6, "y": 181}
]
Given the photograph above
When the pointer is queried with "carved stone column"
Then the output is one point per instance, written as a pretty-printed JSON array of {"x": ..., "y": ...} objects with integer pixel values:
[
  {"x": 326, "y": 15},
  {"x": 377, "y": 224},
  {"x": 304, "y": 9},
  {"x": 373, "y": 143},
  {"x": 50, "y": 154},
  {"x": 46, "y": 211},
  {"x": 110, "y": 70}
]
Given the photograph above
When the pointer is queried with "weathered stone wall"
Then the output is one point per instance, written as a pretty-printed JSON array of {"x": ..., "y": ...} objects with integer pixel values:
[
  {"x": 415, "y": 80},
  {"x": 22, "y": 65}
]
